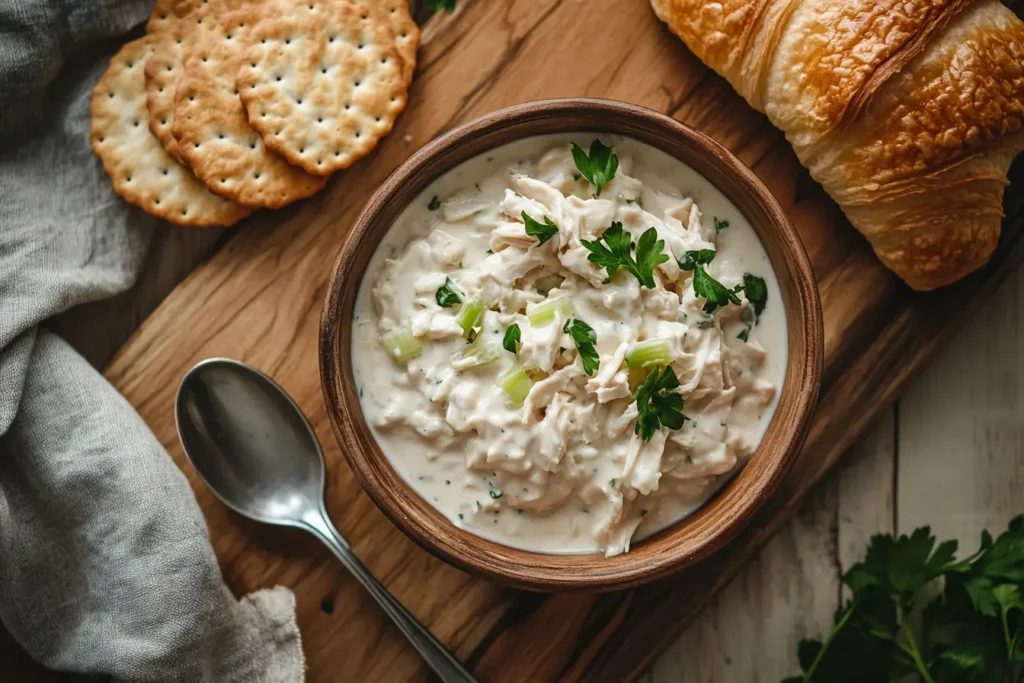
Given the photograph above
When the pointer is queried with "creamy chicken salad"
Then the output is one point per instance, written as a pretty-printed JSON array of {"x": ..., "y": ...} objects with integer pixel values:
[{"x": 568, "y": 343}]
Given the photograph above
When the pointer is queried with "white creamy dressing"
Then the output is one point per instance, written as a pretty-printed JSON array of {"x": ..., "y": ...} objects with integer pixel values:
[{"x": 564, "y": 472}]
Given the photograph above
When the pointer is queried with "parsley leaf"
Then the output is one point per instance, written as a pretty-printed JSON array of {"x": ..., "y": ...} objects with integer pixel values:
[
  {"x": 512, "y": 335},
  {"x": 714, "y": 292},
  {"x": 616, "y": 253},
  {"x": 598, "y": 167},
  {"x": 584, "y": 337},
  {"x": 756, "y": 292},
  {"x": 542, "y": 231},
  {"x": 434, "y": 204},
  {"x": 720, "y": 224},
  {"x": 435, "y": 5},
  {"x": 972, "y": 631},
  {"x": 658, "y": 404},
  {"x": 446, "y": 296}
]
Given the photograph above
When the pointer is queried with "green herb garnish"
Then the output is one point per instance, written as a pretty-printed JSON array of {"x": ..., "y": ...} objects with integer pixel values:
[
  {"x": 542, "y": 231},
  {"x": 584, "y": 337},
  {"x": 756, "y": 292},
  {"x": 616, "y": 253},
  {"x": 512, "y": 335},
  {"x": 446, "y": 296},
  {"x": 434, "y": 204},
  {"x": 496, "y": 493},
  {"x": 971, "y": 631},
  {"x": 744, "y": 334},
  {"x": 720, "y": 224},
  {"x": 598, "y": 167},
  {"x": 714, "y": 292},
  {"x": 658, "y": 404}
]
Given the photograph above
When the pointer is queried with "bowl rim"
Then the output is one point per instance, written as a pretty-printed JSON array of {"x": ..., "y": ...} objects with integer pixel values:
[{"x": 532, "y": 570}]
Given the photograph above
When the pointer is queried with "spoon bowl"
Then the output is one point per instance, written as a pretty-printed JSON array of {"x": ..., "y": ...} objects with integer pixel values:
[
  {"x": 249, "y": 442},
  {"x": 252, "y": 446}
]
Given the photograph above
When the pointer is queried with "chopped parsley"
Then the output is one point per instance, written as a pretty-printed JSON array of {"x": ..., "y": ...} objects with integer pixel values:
[
  {"x": 542, "y": 231},
  {"x": 714, "y": 292},
  {"x": 720, "y": 224},
  {"x": 616, "y": 253},
  {"x": 496, "y": 493},
  {"x": 658, "y": 403},
  {"x": 435, "y": 203},
  {"x": 756, "y": 292},
  {"x": 584, "y": 337},
  {"x": 446, "y": 296},
  {"x": 512, "y": 335},
  {"x": 598, "y": 167},
  {"x": 744, "y": 334}
]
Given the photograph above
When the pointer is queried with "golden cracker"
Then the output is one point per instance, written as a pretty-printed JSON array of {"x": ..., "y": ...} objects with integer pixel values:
[
  {"x": 322, "y": 81},
  {"x": 407, "y": 33},
  {"x": 141, "y": 170},
  {"x": 212, "y": 129},
  {"x": 171, "y": 44}
]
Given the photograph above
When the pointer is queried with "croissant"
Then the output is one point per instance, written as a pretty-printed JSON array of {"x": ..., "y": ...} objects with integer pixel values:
[{"x": 908, "y": 112}]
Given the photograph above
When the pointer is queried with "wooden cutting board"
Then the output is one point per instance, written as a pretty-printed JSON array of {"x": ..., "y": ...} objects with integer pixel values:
[{"x": 258, "y": 299}]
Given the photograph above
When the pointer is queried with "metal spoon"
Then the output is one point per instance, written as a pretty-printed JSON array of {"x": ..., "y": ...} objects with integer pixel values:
[{"x": 254, "y": 448}]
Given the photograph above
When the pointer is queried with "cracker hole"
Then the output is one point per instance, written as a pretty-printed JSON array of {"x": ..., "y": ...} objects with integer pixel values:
[
  {"x": 165, "y": 171},
  {"x": 278, "y": 78},
  {"x": 135, "y": 123},
  {"x": 220, "y": 136},
  {"x": 357, "y": 83},
  {"x": 331, "y": 39},
  {"x": 196, "y": 145},
  {"x": 111, "y": 95},
  {"x": 256, "y": 176},
  {"x": 365, "y": 16},
  {"x": 323, "y": 71},
  {"x": 394, "y": 9},
  {"x": 287, "y": 41},
  {"x": 184, "y": 212},
  {"x": 223, "y": 180},
  {"x": 228, "y": 37},
  {"x": 337, "y": 153},
  {"x": 157, "y": 202},
  {"x": 319, "y": 162},
  {"x": 319, "y": 119},
  {"x": 347, "y": 107},
  {"x": 169, "y": 68},
  {"x": 252, "y": 146},
  {"x": 128, "y": 179},
  {"x": 298, "y": 101},
  {"x": 302, "y": 150}
]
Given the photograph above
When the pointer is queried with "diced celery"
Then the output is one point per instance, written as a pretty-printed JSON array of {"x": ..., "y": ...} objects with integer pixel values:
[
  {"x": 471, "y": 315},
  {"x": 516, "y": 384},
  {"x": 400, "y": 344},
  {"x": 544, "y": 312},
  {"x": 476, "y": 354},
  {"x": 645, "y": 354}
]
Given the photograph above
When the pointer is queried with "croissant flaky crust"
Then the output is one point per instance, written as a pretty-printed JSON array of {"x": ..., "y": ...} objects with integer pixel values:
[{"x": 908, "y": 112}]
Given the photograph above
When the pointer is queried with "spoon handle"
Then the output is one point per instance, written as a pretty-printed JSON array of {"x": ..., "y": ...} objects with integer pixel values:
[{"x": 437, "y": 656}]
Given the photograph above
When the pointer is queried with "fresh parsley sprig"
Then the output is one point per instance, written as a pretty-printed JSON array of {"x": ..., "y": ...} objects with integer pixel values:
[
  {"x": 971, "y": 631},
  {"x": 616, "y": 252},
  {"x": 512, "y": 336},
  {"x": 584, "y": 337},
  {"x": 714, "y": 292},
  {"x": 658, "y": 403},
  {"x": 542, "y": 231},
  {"x": 598, "y": 167}
]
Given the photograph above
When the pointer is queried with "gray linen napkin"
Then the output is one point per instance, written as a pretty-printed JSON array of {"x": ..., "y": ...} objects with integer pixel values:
[{"x": 105, "y": 562}]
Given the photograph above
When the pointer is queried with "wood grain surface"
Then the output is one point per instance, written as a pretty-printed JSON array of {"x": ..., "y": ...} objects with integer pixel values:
[{"x": 258, "y": 300}]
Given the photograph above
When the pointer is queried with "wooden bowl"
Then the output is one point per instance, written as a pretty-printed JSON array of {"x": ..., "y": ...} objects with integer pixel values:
[{"x": 683, "y": 543}]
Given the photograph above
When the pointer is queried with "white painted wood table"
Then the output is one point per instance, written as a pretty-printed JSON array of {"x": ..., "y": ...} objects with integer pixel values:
[{"x": 949, "y": 454}]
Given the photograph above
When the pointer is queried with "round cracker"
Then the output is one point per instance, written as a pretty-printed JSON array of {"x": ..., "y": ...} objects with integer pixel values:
[
  {"x": 322, "y": 82},
  {"x": 213, "y": 131},
  {"x": 171, "y": 45},
  {"x": 407, "y": 33},
  {"x": 142, "y": 172},
  {"x": 166, "y": 11}
]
